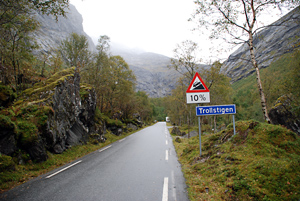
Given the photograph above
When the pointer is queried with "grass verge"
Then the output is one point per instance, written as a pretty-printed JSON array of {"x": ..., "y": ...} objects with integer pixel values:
[{"x": 261, "y": 162}]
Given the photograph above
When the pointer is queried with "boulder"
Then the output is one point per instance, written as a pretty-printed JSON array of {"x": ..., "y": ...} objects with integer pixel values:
[
  {"x": 178, "y": 140},
  {"x": 284, "y": 113},
  {"x": 115, "y": 130},
  {"x": 177, "y": 131},
  {"x": 131, "y": 126},
  {"x": 7, "y": 136},
  {"x": 192, "y": 134},
  {"x": 37, "y": 151},
  {"x": 7, "y": 96}
]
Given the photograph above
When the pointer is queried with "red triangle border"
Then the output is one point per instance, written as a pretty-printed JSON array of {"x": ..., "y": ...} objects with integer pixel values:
[{"x": 195, "y": 91}]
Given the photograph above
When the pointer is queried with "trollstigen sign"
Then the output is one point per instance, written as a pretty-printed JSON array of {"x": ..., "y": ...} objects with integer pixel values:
[{"x": 215, "y": 110}]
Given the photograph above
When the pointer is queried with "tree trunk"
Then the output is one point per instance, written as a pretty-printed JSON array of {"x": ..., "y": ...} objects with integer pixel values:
[{"x": 259, "y": 85}]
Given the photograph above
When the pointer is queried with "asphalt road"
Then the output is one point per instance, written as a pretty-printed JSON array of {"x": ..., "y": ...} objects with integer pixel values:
[{"x": 142, "y": 166}]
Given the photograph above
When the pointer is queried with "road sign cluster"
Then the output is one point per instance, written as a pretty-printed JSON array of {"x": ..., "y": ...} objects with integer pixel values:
[{"x": 198, "y": 92}]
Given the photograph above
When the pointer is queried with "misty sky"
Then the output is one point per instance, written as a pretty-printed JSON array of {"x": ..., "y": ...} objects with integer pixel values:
[{"x": 152, "y": 25}]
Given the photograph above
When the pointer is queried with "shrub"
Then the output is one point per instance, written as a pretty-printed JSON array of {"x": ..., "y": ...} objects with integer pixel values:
[{"x": 6, "y": 163}]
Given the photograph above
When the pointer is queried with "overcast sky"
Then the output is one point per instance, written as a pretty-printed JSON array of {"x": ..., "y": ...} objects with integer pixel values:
[{"x": 152, "y": 25}]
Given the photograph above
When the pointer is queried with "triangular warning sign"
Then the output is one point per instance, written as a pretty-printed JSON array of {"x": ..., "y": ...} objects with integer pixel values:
[{"x": 197, "y": 85}]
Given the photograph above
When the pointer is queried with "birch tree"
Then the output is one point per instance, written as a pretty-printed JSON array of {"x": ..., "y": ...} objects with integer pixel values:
[
  {"x": 238, "y": 22},
  {"x": 185, "y": 59}
]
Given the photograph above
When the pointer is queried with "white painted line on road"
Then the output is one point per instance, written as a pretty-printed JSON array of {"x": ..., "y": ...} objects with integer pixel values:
[
  {"x": 122, "y": 139},
  {"x": 166, "y": 142},
  {"x": 173, "y": 182},
  {"x": 105, "y": 148},
  {"x": 167, "y": 155},
  {"x": 63, "y": 169},
  {"x": 165, "y": 189}
]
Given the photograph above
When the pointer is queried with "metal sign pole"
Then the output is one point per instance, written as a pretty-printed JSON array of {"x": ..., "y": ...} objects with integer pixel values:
[
  {"x": 199, "y": 124},
  {"x": 233, "y": 125}
]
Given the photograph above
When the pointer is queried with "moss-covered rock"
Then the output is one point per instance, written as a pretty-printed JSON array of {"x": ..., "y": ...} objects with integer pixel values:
[
  {"x": 53, "y": 115},
  {"x": 7, "y": 135},
  {"x": 7, "y": 96},
  {"x": 286, "y": 112}
]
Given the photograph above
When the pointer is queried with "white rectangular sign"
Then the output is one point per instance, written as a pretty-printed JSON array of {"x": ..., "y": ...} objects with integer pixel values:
[{"x": 198, "y": 97}]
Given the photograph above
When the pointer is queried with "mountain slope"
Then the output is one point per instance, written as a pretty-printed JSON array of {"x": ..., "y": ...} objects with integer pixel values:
[
  {"x": 151, "y": 70},
  {"x": 52, "y": 32},
  {"x": 281, "y": 37}
]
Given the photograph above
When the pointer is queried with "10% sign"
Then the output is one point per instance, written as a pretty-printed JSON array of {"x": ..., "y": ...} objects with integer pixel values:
[{"x": 197, "y": 92}]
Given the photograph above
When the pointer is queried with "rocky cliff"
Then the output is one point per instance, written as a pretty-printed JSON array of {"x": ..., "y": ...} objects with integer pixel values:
[
  {"x": 52, "y": 32},
  {"x": 270, "y": 43},
  {"x": 53, "y": 115}
]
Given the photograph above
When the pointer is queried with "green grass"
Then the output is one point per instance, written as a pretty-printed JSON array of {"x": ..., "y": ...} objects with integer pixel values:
[
  {"x": 261, "y": 162},
  {"x": 22, "y": 173}
]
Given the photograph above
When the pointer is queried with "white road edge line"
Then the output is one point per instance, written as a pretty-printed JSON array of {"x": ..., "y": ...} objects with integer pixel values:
[
  {"x": 167, "y": 155},
  {"x": 63, "y": 169},
  {"x": 105, "y": 148},
  {"x": 122, "y": 139},
  {"x": 166, "y": 142},
  {"x": 173, "y": 182},
  {"x": 165, "y": 189}
]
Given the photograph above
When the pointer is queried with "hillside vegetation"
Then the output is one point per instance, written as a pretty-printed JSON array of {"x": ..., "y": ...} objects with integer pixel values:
[
  {"x": 261, "y": 162},
  {"x": 280, "y": 78}
]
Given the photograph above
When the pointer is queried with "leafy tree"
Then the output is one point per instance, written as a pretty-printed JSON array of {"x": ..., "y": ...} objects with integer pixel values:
[
  {"x": 119, "y": 83},
  {"x": 10, "y": 9},
  {"x": 101, "y": 68},
  {"x": 177, "y": 108},
  {"x": 142, "y": 105},
  {"x": 16, "y": 23},
  {"x": 219, "y": 86},
  {"x": 185, "y": 60},
  {"x": 16, "y": 45},
  {"x": 74, "y": 50},
  {"x": 159, "y": 108},
  {"x": 225, "y": 17},
  {"x": 55, "y": 60}
]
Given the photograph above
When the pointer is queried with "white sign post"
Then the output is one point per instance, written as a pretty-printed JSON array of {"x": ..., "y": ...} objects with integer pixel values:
[{"x": 198, "y": 92}]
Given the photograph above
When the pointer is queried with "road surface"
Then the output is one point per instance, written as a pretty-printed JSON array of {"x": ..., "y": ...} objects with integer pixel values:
[{"x": 142, "y": 166}]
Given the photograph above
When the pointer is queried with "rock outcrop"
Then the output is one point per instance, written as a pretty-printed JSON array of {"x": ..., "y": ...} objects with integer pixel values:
[
  {"x": 7, "y": 136},
  {"x": 270, "y": 43},
  {"x": 7, "y": 96},
  {"x": 73, "y": 115},
  {"x": 284, "y": 113},
  {"x": 53, "y": 115}
]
